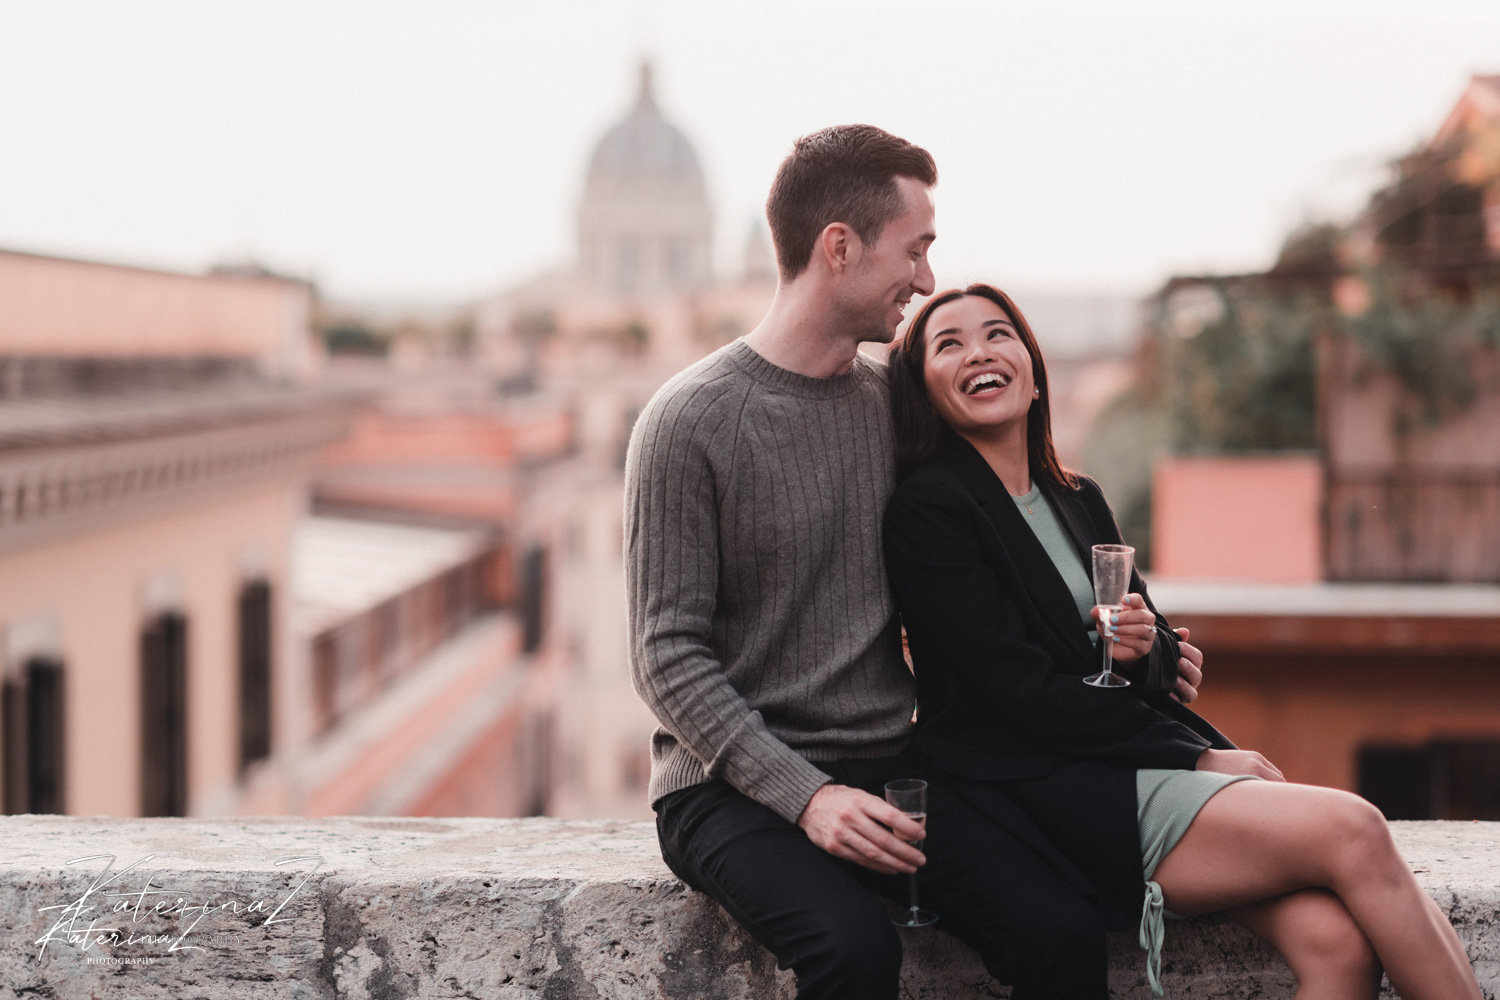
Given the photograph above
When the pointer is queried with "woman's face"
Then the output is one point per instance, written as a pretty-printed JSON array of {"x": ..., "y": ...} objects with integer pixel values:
[{"x": 978, "y": 373}]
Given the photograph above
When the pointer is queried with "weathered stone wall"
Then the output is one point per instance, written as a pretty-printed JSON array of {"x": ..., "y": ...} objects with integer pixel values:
[{"x": 475, "y": 908}]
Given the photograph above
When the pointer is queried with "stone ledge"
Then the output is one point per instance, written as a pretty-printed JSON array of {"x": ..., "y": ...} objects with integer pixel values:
[{"x": 481, "y": 908}]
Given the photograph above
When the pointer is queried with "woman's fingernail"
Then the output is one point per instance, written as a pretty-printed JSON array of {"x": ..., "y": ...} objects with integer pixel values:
[
  {"x": 1114, "y": 619},
  {"x": 1112, "y": 629},
  {"x": 1114, "y": 638}
]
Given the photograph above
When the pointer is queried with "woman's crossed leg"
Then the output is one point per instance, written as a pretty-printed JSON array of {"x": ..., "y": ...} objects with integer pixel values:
[
  {"x": 1256, "y": 845},
  {"x": 1328, "y": 953}
]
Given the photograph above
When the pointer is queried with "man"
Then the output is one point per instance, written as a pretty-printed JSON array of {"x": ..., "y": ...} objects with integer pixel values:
[{"x": 763, "y": 635}]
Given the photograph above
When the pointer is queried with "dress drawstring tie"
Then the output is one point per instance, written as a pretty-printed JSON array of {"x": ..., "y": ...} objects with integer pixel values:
[{"x": 1153, "y": 931}]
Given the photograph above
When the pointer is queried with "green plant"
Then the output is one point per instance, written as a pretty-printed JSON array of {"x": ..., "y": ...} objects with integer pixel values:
[
  {"x": 1428, "y": 343},
  {"x": 355, "y": 339},
  {"x": 1247, "y": 381}
]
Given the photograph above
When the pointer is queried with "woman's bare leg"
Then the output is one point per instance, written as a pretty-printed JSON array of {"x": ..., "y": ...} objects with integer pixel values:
[
  {"x": 1328, "y": 953},
  {"x": 1258, "y": 839}
]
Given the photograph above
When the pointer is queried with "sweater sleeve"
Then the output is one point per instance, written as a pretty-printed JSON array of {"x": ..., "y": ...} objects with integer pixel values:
[
  {"x": 672, "y": 571},
  {"x": 941, "y": 582}
]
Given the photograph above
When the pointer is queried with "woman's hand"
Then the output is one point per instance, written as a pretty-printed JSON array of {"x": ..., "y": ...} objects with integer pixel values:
[
  {"x": 1238, "y": 762},
  {"x": 1132, "y": 630},
  {"x": 1189, "y": 670}
]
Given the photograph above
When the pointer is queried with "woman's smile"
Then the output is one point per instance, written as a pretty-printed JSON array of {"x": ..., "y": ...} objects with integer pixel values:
[{"x": 986, "y": 384}]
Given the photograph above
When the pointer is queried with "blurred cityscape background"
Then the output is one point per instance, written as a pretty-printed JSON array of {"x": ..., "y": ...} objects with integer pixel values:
[{"x": 272, "y": 542}]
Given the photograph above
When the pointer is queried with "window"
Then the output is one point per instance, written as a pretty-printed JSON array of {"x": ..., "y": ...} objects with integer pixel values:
[
  {"x": 534, "y": 763},
  {"x": 1445, "y": 779},
  {"x": 1398, "y": 780},
  {"x": 533, "y": 586},
  {"x": 164, "y": 716},
  {"x": 678, "y": 257},
  {"x": 255, "y": 672},
  {"x": 34, "y": 738},
  {"x": 325, "y": 680},
  {"x": 626, "y": 257}
]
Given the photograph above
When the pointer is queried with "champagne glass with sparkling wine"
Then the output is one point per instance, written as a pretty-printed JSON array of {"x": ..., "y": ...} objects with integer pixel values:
[
  {"x": 910, "y": 796},
  {"x": 1112, "y": 566}
]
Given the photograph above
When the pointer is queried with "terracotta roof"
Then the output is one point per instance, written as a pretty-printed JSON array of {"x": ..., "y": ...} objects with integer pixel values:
[{"x": 1481, "y": 97}]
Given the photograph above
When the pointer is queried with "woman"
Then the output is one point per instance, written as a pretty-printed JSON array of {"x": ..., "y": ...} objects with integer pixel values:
[{"x": 987, "y": 539}]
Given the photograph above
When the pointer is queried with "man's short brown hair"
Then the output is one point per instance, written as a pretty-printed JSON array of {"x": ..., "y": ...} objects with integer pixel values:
[{"x": 845, "y": 173}]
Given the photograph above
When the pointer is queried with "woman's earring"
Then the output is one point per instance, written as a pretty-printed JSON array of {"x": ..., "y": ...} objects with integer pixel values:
[{"x": 1036, "y": 394}]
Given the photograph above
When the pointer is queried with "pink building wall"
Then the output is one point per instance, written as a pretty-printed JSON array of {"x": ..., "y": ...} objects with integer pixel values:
[
  {"x": 94, "y": 586},
  {"x": 1252, "y": 519},
  {"x": 68, "y": 308}
]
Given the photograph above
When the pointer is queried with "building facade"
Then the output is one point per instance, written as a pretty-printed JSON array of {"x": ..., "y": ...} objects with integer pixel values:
[
  {"x": 1348, "y": 599},
  {"x": 156, "y": 434}
]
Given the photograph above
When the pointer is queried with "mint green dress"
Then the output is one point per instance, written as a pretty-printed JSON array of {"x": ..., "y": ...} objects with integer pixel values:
[{"x": 1167, "y": 801}]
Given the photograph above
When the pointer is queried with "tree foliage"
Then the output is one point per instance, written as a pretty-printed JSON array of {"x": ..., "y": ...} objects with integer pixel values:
[
  {"x": 1428, "y": 343},
  {"x": 1246, "y": 382}
]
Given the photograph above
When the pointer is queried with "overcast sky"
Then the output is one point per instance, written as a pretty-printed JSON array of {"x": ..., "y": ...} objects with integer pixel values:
[{"x": 435, "y": 150}]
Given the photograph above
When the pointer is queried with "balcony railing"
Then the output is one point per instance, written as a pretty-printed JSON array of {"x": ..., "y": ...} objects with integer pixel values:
[{"x": 1414, "y": 526}]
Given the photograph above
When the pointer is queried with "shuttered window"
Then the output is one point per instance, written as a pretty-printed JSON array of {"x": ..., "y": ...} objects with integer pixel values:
[
  {"x": 164, "y": 716},
  {"x": 255, "y": 672},
  {"x": 1443, "y": 779},
  {"x": 533, "y": 591},
  {"x": 34, "y": 738}
]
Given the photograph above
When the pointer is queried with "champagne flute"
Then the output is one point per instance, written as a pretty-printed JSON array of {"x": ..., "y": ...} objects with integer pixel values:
[
  {"x": 1112, "y": 565},
  {"x": 910, "y": 796}
]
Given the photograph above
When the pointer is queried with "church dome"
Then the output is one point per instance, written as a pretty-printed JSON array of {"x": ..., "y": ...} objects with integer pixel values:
[
  {"x": 644, "y": 152},
  {"x": 644, "y": 223}
]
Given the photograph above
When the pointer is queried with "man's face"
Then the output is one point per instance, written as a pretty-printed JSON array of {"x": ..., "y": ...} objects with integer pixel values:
[{"x": 887, "y": 273}]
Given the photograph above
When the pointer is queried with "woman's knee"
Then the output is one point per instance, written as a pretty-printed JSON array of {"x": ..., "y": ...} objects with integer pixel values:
[
  {"x": 1332, "y": 940},
  {"x": 1358, "y": 837},
  {"x": 1317, "y": 936},
  {"x": 1333, "y": 944}
]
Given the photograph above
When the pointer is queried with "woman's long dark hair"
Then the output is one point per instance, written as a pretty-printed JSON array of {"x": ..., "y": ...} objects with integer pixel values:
[{"x": 921, "y": 433}]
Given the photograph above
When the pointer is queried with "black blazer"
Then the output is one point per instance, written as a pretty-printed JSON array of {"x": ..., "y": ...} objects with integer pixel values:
[{"x": 995, "y": 637}]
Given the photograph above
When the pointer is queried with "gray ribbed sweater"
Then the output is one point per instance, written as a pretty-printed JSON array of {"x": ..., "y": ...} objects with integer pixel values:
[{"x": 762, "y": 633}]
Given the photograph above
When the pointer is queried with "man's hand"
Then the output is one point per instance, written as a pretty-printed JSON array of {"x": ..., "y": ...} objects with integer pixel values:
[
  {"x": 1189, "y": 670},
  {"x": 1238, "y": 762},
  {"x": 854, "y": 825}
]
